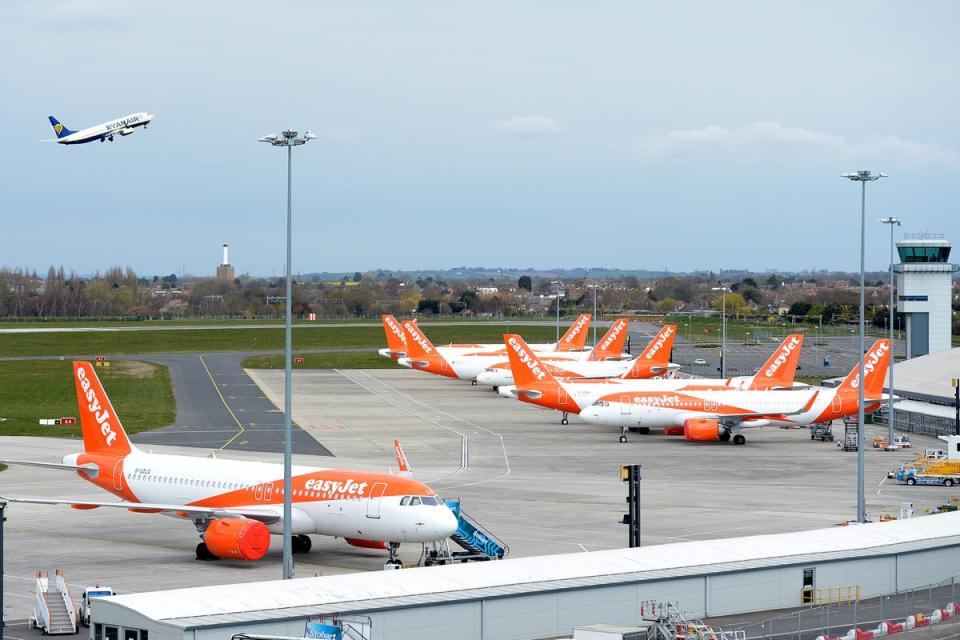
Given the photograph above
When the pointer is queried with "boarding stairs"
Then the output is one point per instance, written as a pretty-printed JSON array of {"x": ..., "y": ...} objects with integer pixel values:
[
  {"x": 54, "y": 612},
  {"x": 673, "y": 624},
  {"x": 851, "y": 431},
  {"x": 476, "y": 541}
]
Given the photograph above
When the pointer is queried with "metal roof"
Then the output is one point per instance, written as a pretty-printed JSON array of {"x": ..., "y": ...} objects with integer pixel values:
[
  {"x": 928, "y": 377},
  {"x": 286, "y": 599}
]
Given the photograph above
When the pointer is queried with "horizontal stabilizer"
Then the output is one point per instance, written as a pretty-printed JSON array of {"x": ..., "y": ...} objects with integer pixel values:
[{"x": 91, "y": 469}]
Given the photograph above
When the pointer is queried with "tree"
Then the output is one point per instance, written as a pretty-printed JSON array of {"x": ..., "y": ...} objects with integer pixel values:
[
  {"x": 524, "y": 282},
  {"x": 773, "y": 281},
  {"x": 735, "y": 304},
  {"x": 357, "y": 276},
  {"x": 799, "y": 308}
]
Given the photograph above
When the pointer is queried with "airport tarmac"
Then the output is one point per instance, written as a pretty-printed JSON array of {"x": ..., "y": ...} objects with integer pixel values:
[{"x": 540, "y": 487}]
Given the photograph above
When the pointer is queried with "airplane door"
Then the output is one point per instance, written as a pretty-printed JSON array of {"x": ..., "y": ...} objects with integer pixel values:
[
  {"x": 624, "y": 405},
  {"x": 562, "y": 397},
  {"x": 118, "y": 475},
  {"x": 373, "y": 502},
  {"x": 837, "y": 404}
]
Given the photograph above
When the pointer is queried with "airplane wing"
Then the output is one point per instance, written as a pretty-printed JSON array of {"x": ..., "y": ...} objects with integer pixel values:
[{"x": 266, "y": 516}]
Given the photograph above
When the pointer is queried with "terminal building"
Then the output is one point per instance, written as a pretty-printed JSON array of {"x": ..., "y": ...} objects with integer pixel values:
[{"x": 549, "y": 596}]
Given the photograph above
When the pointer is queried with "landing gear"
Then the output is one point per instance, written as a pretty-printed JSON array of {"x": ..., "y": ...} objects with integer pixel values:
[
  {"x": 739, "y": 439},
  {"x": 203, "y": 553},
  {"x": 623, "y": 435},
  {"x": 392, "y": 549},
  {"x": 110, "y": 138},
  {"x": 301, "y": 543},
  {"x": 496, "y": 389},
  {"x": 564, "y": 420},
  {"x": 724, "y": 436},
  {"x": 473, "y": 383}
]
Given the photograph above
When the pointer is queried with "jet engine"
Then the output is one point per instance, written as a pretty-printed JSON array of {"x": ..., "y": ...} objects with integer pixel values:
[
  {"x": 701, "y": 430},
  {"x": 366, "y": 544},
  {"x": 237, "y": 538},
  {"x": 126, "y": 131}
]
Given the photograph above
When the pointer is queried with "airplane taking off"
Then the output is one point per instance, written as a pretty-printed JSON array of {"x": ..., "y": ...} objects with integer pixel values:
[
  {"x": 704, "y": 414},
  {"x": 236, "y": 505},
  {"x": 604, "y": 361},
  {"x": 105, "y": 131},
  {"x": 830, "y": 403}
]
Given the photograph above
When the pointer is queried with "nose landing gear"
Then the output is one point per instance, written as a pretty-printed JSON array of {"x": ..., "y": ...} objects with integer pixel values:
[{"x": 564, "y": 420}]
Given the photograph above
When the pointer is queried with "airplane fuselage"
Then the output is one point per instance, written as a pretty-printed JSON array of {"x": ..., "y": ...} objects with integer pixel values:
[{"x": 106, "y": 130}]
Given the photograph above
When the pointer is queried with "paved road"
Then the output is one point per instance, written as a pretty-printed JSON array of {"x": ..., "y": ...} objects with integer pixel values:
[{"x": 300, "y": 325}]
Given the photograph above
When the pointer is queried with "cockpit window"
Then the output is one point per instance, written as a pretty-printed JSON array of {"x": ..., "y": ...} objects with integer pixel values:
[
  {"x": 414, "y": 501},
  {"x": 429, "y": 500},
  {"x": 405, "y": 501}
]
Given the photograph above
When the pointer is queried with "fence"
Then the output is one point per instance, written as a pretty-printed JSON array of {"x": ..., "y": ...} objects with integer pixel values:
[{"x": 836, "y": 620}]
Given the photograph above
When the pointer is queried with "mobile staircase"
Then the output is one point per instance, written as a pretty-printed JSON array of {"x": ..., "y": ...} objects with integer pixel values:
[
  {"x": 54, "y": 612},
  {"x": 671, "y": 624},
  {"x": 477, "y": 543}
]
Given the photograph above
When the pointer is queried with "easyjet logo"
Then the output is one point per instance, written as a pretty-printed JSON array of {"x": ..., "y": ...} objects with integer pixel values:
[
  {"x": 661, "y": 339},
  {"x": 617, "y": 329},
  {"x": 397, "y": 331},
  {"x": 782, "y": 357},
  {"x": 101, "y": 415},
  {"x": 870, "y": 363},
  {"x": 531, "y": 363},
  {"x": 657, "y": 401},
  {"x": 419, "y": 338},
  {"x": 347, "y": 487},
  {"x": 575, "y": 329}
]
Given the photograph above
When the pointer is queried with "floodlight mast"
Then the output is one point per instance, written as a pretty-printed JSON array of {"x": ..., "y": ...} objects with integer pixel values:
[
  {"x": 863, "y": 177},
  {"x": 892, "y": 221},
  {"x": 288, "y": 139}
]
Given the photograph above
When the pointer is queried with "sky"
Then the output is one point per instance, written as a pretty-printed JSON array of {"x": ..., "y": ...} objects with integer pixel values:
[{"x": 681, "y": 136}]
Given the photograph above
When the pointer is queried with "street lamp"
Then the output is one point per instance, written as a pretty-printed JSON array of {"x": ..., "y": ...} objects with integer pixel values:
[
  {"x": 594, "y": 287},
  {"x": 863, "y": 177},
  {"x": 288, "y": 139},
  {"x": 559, "y": 286},
  {"x": 891, "y": 220},
  {"x": 723, "y": 339}
]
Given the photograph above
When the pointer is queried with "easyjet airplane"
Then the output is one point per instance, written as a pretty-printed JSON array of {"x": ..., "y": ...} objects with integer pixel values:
[
  {"x": 396, "y": 340},
  {"x": 573, "y": 395},
  {"x": 604, "y": 361},
  {"x": 236, "y": 505},
  {"x": 624, "y": 410},
  {"x": 467, "y": 366}
]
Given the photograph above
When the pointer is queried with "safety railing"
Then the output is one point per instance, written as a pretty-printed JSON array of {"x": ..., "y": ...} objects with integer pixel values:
[{"x": 830, "y": 595}]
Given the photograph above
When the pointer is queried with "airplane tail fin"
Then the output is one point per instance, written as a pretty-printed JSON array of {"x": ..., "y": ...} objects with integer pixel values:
[
  {"x": 101, "y": 427},
  {"x": 781, "y": 368},
  {"x": 611, "y": 345},
  {"x": 658, "y": 351},
  {"x": 528, "y": 371},
  {"x": 576, "y": 336},
  {"x": 58, "y": 128},
  {"x": 875, "y": 363},
  {"x": 403, "y": 467},
  {"x": 396, "y": 340},
  {"x": 418, "y": 344}
]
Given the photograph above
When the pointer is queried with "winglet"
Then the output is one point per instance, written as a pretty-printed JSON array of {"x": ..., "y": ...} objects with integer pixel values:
[
  {"x": 402, "y": 465},
  {"x": 611, "y": 344},
  {"x": 781, "y": 368},
  {"x": 575, "y": 339}
]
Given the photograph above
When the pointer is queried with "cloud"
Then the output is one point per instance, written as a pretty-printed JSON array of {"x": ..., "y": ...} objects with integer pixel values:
[
  {"x": 769, "y": 139},
  {"x": 528, "y": 125}
]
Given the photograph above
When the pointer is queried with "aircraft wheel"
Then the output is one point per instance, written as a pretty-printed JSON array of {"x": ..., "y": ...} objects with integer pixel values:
[
  {"x": 724, "y": 436},
  {"x": 304, "y": 543},
  {"x": 203, "y": 553},
  {"x": 739, "y": 439},
  {"x": 623, "y": 439},
  {"x": 473, "y": 383},
  {"x": 496, "y": 389},
  {"x": 564, "y": 421}
]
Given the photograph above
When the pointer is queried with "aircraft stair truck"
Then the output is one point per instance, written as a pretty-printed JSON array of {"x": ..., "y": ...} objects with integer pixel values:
[
  {"x": 944, "y": 471},
  {"x": 89, "y": 594},
  {"x": 477, "y": 542},
  {"x": 53, "y": 612}
]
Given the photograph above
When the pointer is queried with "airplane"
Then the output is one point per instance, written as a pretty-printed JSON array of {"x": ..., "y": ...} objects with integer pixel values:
[
  {"x": 654, "y": 360},
  {"x": 105, "y": 131},
  {"x": 236, "y": 505},
  {"x": 467, "y": 366},
  {"x": 577, "y": 394}
]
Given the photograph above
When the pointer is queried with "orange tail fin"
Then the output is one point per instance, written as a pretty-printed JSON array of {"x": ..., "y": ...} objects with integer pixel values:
[
  {"x": 781, "y": 368},
  {"x": 528, "y": 371},
  {"x": 396, "y": 340},
  {"x": 418, "y": 344},
  {"x": 575, "y": 339},
  {"x": 99, "y": 422},
  {"x": 611, "y": 345},
  {"x": 655, "y": 359},
  {"x": 875, "y": 363},
  {"x": 402, "y": 465}
]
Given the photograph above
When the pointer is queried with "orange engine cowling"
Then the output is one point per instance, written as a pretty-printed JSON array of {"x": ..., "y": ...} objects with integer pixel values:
[
  {"x": 366, "y": 544},
  {"x": 237, "y": 538},
  {"x": 701, "y": 430}
]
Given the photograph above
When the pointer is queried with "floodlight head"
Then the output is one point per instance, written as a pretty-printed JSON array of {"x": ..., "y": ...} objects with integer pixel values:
[
  {"x": 863, "y": 176},
  {"x": 289, "y": 133},
  {"x": 271, "y": 138},
  {"x": 891, "y": 220},
  {"x": 309, "y": 136}
]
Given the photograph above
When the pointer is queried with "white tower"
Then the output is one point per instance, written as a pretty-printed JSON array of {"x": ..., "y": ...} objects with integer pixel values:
[
  {"x": 225, "y": 270},
  {"x": 924, "y": 291}
]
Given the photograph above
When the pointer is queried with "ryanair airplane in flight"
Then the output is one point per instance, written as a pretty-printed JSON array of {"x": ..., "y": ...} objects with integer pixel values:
[{"x": 105, "y": 131}]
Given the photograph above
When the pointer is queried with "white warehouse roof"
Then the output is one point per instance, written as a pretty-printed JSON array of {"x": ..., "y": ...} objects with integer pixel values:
[
  {"x": 279, "y": 599},
  {"x": 928, "y": 375}
]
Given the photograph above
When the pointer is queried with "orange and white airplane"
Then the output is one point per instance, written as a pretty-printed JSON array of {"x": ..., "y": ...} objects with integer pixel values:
[
  {"x": 604, "y": 361},
  {"x": 574, "y": 395},
  {"x": 423, "y": 356},
  {"x": 236, "y": 505},
  {"x": 625, "y": 410}
]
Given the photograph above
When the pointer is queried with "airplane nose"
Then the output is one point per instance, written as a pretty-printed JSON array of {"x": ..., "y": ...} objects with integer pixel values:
[
  {"x": 590, "y": 415},
  {"x": 446, "y": 523},
  {"x": 484, "y": 378}
]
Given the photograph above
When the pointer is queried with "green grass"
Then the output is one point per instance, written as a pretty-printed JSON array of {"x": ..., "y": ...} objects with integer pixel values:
[
  {"x": 332, "y": 360},
  {"x": 199, "y": 340},
  {"x": 30, "y": 390}
]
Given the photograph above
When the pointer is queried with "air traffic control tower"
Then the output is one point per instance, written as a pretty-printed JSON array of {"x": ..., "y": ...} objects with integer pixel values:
[{"x": 924, "y": 291}]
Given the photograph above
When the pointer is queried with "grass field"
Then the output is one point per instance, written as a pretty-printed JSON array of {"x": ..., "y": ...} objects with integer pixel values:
[
  {"x": 199, "y": 340},
  {"x": 331, "y": 360},
  {"x": 30, "y": 390}
]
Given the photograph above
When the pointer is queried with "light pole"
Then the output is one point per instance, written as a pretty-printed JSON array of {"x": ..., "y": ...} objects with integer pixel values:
[
  {"x": 559, "y": 286},
  {"x": 891, "y": 220},
  {"x": 288, "y": 139},
  {"x": 863, "y": 177},
  {"x": 723, "y": 339}
]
